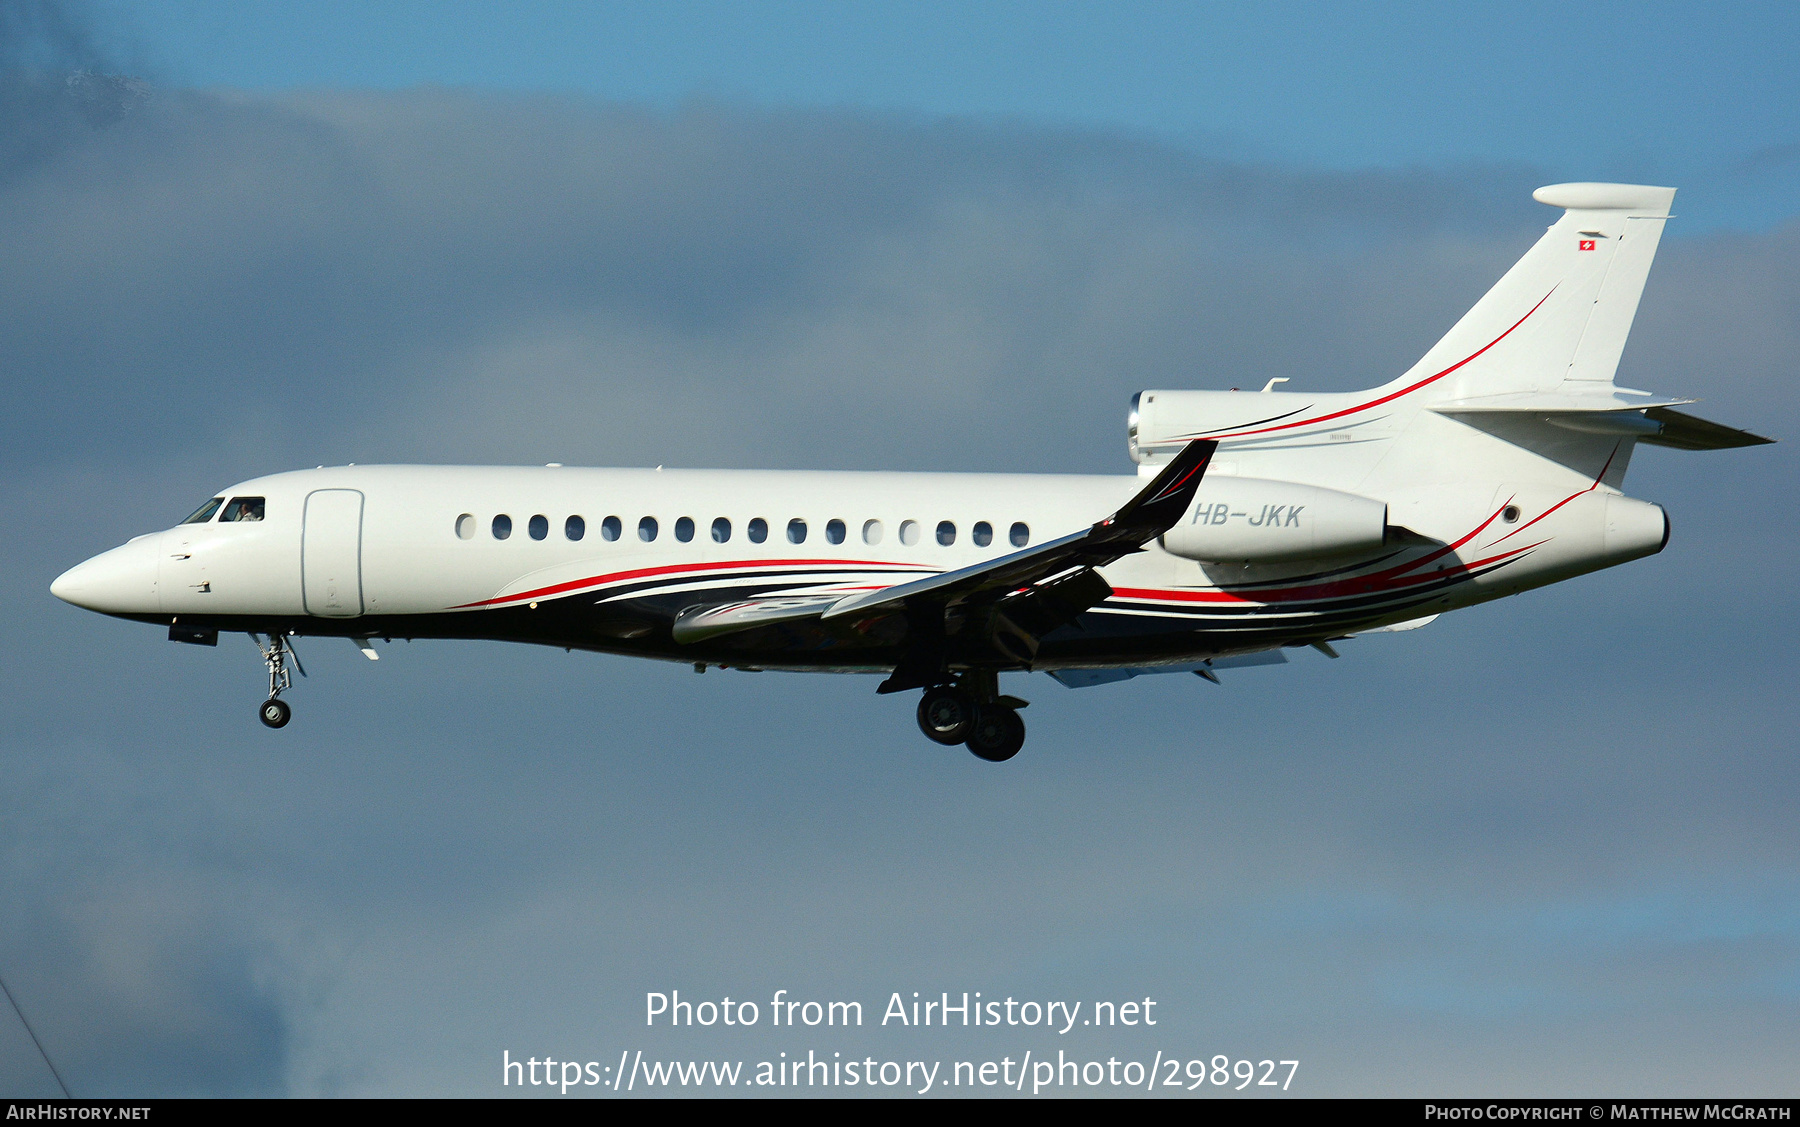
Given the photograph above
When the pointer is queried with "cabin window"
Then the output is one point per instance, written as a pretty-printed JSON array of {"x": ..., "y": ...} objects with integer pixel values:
[
  {"x": 796, "y": 531},
  {"x": 538, "y": 526},
  {"x": 244, "y": 508},
  {"x": 982, "y": 534},
  {"x": 647, "y": 529},
  {"x": 684, "y": 529},
  {"x": 834, "y": 531},
  {"x": 465, "y": 527},
  {"x": 871, "y": 532},
  {"x": 946, "y": 533},
  {"x": 909, "y": 532},
  {"x": 574, "y": 528},
  {"x": 759, "y": 530},
  {"x": 721, "y": 530},
  {"x": 502, "y": 526},
  {"x": 205, "y": 512},
  {"x": 610, "y": 528},
  {"x": 1020, "y": 534}
]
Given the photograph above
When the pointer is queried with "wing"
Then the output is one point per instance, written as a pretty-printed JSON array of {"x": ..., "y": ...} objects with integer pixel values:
[
  {"x": 997, "y": 608},
  {"x": 1145, "y": 517}
]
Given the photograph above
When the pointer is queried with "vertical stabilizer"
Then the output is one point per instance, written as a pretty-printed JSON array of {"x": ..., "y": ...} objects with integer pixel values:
[{"x": 1562, "y": 313}]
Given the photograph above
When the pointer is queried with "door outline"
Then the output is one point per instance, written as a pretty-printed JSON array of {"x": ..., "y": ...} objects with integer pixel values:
[{"x": 307, "y": 530}]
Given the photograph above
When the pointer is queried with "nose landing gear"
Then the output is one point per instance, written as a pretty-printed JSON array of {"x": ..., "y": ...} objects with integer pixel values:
[
  {"x": 972, "y": 712},
  {"x": 276, "y": 652}
]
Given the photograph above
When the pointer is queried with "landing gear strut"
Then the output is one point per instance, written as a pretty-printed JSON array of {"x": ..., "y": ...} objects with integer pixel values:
[
  {"x": 276, "y": 653},
  {"x": 972, "y": 712}
]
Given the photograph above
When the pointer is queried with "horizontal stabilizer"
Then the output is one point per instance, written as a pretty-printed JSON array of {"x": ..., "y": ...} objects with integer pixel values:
[
  {"x": 1688, "y": 432},
  {"x": 1608, "y": 398},
  {"x": 1622, "y": 413}
]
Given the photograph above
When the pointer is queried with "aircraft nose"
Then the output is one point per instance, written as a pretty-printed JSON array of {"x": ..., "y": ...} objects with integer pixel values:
[{"x": 121, "y": 581}]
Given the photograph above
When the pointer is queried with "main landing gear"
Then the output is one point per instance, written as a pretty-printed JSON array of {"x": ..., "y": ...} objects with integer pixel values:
[
  {"x": 973, "y": 713},
  {"x": 277, "y": 652}
]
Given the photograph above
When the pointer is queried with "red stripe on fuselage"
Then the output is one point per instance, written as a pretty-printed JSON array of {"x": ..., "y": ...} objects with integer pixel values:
[
  {"x": 1321, "y": 593},
  {"x": 678, "y": 569},
  {"x": 1388, "y": 579}
]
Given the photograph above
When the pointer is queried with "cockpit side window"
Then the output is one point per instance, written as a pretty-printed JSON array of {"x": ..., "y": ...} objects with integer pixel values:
[
  {"x": 205, "y": 512},
  {"x": 244, "y": 508}
]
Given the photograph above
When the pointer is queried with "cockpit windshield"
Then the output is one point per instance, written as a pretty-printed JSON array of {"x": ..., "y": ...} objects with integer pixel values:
[
  {"x": 205, "y": 512},
  {"x": 244, "y": 508}
]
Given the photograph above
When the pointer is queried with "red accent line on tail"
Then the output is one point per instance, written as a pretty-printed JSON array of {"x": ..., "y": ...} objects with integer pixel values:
[
  {"x": 1570, "y": 497},
  {"x": 1397, "y": 394}
]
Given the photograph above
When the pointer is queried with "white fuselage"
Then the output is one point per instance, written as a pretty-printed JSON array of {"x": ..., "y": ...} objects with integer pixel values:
[{"x": 413, "y": 551}]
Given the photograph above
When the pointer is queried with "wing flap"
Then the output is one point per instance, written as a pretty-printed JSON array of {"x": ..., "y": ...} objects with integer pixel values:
[
  {"x": 1088, "y": 678},
  {"x": 698, "y": 623},
  {"x": 1648, "y": 419},
  {"x": 1398, "y": 627}
]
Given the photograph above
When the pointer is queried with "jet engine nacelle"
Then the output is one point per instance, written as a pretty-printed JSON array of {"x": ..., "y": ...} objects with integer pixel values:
[{"x": 1259, "y": 521}]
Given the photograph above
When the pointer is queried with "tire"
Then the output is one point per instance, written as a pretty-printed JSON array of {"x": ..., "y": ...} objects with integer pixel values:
[
  {"x": 945, "y": 715},
  {"x": 997, "y": 734},
  {"x": 275, "y": 713}
]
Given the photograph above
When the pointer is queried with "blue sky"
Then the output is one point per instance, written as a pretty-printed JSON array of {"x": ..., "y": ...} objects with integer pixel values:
[{"x": 1543, "y": 845}]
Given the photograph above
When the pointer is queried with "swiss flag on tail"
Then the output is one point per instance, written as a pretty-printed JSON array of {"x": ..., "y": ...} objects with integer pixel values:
[{"x": 1586, "y": 244}]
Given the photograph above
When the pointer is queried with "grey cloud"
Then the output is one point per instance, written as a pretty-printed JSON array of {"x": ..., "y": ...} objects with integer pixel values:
[
  {"x": 135, "y": 970},
  {"x": 327, "y": 264},
  {"x": 59, "y": 81}
]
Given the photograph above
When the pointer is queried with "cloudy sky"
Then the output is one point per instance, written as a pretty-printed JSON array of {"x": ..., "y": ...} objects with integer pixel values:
[{"x": 1542, "y": 846}]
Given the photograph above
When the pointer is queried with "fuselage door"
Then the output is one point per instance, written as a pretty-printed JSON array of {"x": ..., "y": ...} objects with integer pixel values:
[{"x": 331, "y": 553}]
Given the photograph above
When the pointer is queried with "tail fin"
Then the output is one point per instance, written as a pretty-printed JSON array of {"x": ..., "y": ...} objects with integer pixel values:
[{"x": 1559, "y": 318}]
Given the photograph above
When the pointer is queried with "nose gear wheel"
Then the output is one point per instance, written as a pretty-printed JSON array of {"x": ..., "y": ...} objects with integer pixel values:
[{"x": 277, "y": 652}]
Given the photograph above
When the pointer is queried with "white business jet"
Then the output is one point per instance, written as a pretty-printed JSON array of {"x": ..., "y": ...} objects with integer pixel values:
[{"x": 1256, "y": 521}]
